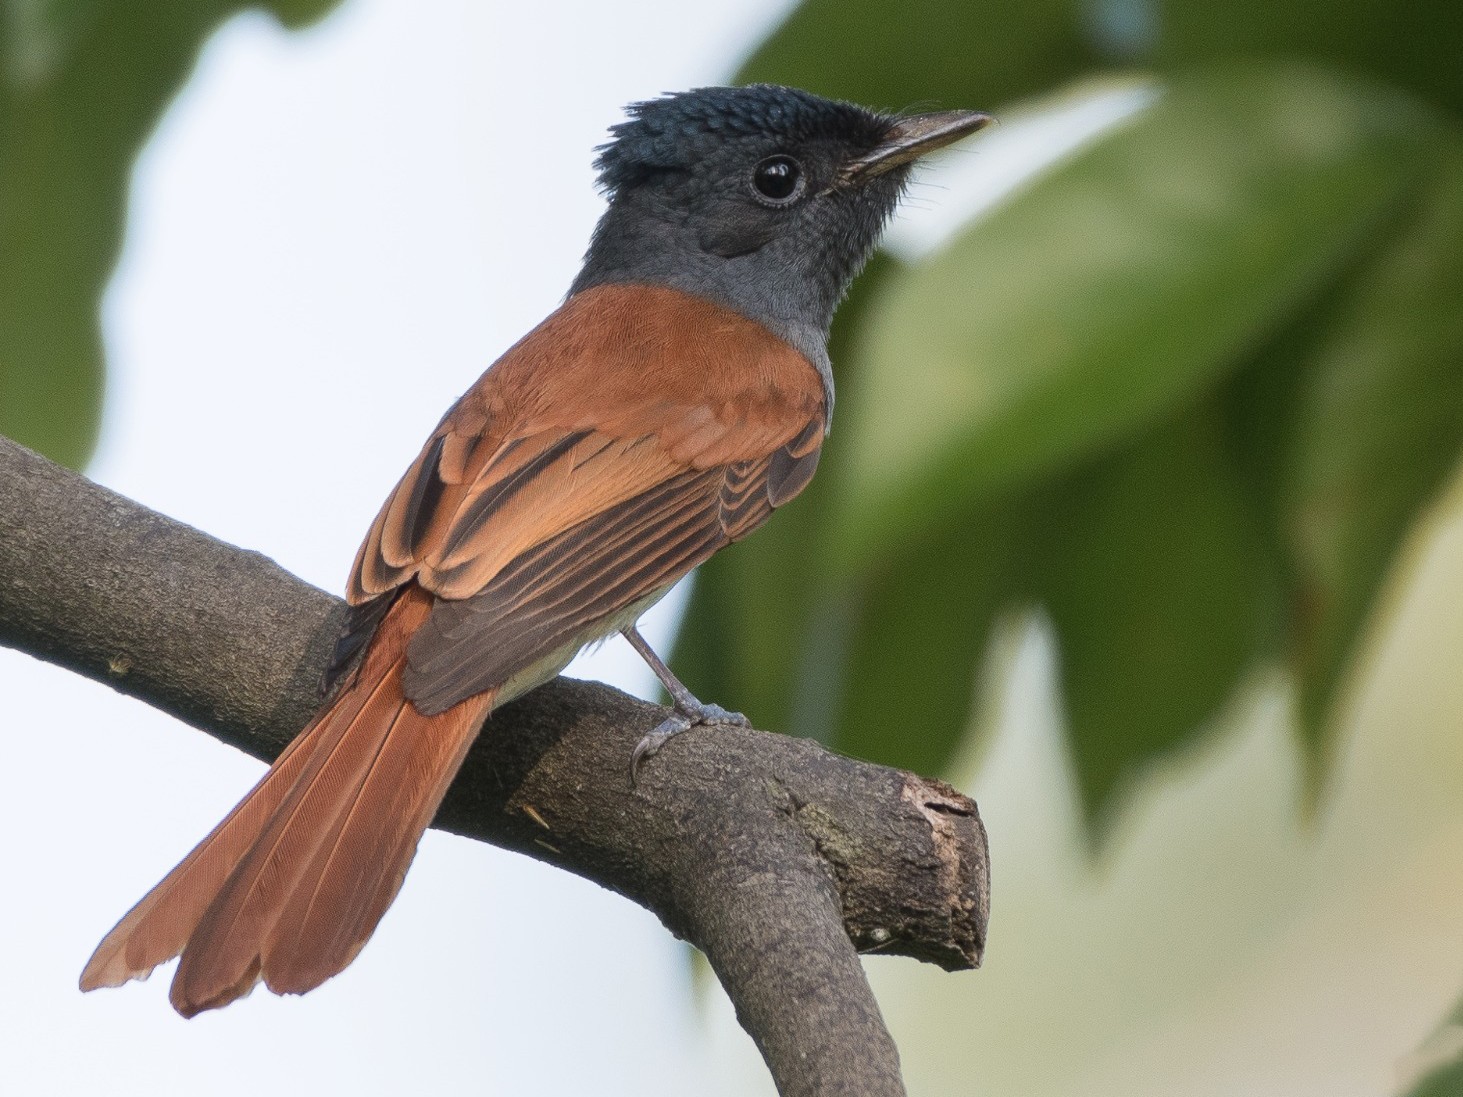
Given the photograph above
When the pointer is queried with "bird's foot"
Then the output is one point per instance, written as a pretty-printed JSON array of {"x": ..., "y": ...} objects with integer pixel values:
[
  {"x": 715, "y": 714},
  {"x": 683, "y": 718}
]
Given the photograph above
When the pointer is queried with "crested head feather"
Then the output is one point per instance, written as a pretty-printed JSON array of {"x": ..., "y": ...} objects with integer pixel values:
[{"x": 671, "y": 132}]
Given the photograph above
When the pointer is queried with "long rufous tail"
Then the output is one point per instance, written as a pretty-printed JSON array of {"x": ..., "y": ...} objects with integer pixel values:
[{"x": 290, "y": 886}]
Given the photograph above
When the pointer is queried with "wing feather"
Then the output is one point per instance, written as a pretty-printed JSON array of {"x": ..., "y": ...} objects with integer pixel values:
[
  {"x": 563, "y": 588},
  {"x": 552, "y": 498}
]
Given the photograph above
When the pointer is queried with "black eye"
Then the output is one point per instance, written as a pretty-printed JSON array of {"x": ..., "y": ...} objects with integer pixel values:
[{"x": 778, "y": 178}]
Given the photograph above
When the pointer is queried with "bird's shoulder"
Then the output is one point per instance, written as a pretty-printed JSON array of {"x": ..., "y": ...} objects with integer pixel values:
[
  {"x": 621, "y": 390},
  {"x": 711, "y": 385}
]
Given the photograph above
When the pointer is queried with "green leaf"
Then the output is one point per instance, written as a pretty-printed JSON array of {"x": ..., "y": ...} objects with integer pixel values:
[
  {"x": 298, "y": 14},
  {"x": 38, "y": 33},
  {"x": 82, "y": 83},
  {"x": 981, "y": 54},
  {"x": 1443, "y": 1054},
  {"x": 1151, "y": 565},
  {"x": 923, "y": 624},
  {"x": 927, "y": 52},
  {"x": 1378, "y": 427},
  {"x": 749, "y": 624},
  {"x": 1114, "y": 288},
  {"x": 1414, "y": 46},
  {"x": 1445, "y": 1081}
]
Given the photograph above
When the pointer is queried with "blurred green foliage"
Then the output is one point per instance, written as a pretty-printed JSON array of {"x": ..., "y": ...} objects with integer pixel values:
[
  {"x": 1447, "y": 1081},
  {"x": 1114, "y": 288},
  {"x": 82, "y": 83},
  {"x": 903, "y": 53},
  {"x": 1444, "y": 1078},
  {"x": 1186, "y": 390}
]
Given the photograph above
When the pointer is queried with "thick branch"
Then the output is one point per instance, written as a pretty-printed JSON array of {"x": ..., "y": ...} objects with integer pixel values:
[{"x": 772, "y": 855}]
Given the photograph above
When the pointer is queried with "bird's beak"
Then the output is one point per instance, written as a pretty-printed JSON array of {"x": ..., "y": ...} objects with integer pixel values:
[{"x": 913, "y": 137}]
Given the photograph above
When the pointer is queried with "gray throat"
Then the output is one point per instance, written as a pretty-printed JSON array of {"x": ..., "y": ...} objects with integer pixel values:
[{"x": 764, "y": 286}]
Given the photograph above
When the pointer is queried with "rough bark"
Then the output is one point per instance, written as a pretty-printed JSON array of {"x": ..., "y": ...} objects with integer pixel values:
[{"x": 775, "y": 857}]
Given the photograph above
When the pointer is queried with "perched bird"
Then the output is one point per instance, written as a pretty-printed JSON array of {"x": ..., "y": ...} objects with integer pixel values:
[{"x": 678, "y": 396}]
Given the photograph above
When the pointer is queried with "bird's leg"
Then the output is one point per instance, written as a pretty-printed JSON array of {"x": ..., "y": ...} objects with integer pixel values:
[
  {"x": 683, "y": 700},
  {"x": 687, "y": 710}
]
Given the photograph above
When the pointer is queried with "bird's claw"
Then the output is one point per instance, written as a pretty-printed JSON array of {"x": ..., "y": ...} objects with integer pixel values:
[
  {"x": 677, "y": 722},
  {"x": 653, "y": 740}
]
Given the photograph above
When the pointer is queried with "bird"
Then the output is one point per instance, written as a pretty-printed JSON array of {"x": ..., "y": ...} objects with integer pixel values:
[{"x": 678, "y": 396}]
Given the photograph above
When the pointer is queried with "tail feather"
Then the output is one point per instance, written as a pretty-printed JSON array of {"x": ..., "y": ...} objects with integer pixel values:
[
  {"x": 353, "y": 877},
  {"x": 221, "y": 960},
  {"x": 289, "y": 887},
  {"x": 156, "y": 929}
]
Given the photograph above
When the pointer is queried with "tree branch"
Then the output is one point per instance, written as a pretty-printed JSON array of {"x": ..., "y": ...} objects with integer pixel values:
[{"x": 773, "y": 856}]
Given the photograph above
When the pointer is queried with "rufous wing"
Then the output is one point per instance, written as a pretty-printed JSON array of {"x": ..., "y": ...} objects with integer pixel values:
[{"x": 675, "y": 429}]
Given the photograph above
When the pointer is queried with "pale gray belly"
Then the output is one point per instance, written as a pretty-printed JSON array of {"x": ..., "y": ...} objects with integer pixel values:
[{"x": 549, "y": 665}]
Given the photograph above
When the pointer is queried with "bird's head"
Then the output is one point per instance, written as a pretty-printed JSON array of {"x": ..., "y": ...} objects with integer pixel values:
[{"x": 768, "y": 199}]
